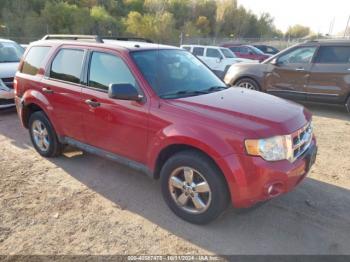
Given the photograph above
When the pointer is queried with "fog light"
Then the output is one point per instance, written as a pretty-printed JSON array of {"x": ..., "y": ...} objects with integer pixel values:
[{"x": 275, "y": 189}]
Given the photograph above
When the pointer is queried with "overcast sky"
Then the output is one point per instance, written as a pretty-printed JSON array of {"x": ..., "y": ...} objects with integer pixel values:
[{"x": 317, "y": 14}]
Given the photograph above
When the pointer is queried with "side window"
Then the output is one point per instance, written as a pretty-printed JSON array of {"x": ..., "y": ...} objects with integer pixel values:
[
  {"x": 34, "y": 59},
  {"x": 302, "y": 55},
  {"x": 188, "y": 48},
  {"x": 270, "y": 50},
  {"x": 333, "y": 55},
  {"x": 67, "y": 65},
  {"x": 106, "y": 69},
  {"x": 244, "y": 50},
  {"x": 211, "y": 52},
  {"x": 198, "y": 51},
  {"x": 234, "y": 49}
]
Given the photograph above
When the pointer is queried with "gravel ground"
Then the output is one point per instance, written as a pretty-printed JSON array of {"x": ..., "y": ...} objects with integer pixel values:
[{"x": 83, "y": 204}]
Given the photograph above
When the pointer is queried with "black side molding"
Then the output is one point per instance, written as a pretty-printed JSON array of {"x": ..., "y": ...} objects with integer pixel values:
[{"x": 114, "y": 157}]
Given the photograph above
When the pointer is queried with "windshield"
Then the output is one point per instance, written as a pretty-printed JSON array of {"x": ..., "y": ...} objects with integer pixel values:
[
  {"x": 10, "y": 52},
  {"x": 176, "y": 73},
  {"x": 228, "y": 53},
  {"x": 257, "y": 51}
]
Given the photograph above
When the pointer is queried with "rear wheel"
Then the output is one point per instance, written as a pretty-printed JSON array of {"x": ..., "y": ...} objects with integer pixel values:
[
  {"x": 193, "y": 187},
  {"x": 248, "y": 84},
  {"x": 43, "y": 135}
]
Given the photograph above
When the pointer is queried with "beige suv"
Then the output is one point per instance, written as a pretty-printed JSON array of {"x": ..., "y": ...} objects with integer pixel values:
[{"x": 317, "y": 71}]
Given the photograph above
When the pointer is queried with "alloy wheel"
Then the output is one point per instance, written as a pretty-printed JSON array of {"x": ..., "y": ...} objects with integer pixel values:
[
  {"x": 247, "y": 85},
  {"x": 40, "y": 135},
  {"x": 190, "y": 190}
]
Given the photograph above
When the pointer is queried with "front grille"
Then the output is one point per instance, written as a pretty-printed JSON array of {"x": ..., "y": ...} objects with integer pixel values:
[
  {"x": 302, "y": 140},
  {"x": 8, "y": 81}
]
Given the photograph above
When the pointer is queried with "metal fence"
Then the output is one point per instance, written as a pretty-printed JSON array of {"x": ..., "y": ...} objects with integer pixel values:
[{"x": 280, "y": 43}]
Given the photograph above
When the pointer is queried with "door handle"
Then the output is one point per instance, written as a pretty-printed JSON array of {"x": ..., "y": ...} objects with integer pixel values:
[
  {"x": 47, "y": 91},
  {"x": 300, "y": 69},
  {"x": 92, "y": 103}
]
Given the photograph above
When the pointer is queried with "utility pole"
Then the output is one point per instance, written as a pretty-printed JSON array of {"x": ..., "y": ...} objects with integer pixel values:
[
  {"x": 346, "y": 28},
  {"x": 331, "y": 26}
]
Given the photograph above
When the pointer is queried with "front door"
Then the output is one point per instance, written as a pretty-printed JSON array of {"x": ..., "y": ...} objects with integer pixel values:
[
  {"x": 116, "y": 126},
  {"x": 214, "y": 59},
  {"x": 330, "y": 75},
  {"x": 288, "y": 76}
]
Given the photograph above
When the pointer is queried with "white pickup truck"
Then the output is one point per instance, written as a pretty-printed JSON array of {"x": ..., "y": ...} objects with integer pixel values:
[{"x": 218, "y": 59}]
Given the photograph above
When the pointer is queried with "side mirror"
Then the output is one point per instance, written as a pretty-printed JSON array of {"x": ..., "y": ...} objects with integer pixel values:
[
  {"x": 219, "y": 59},
  {"x": 124, "y": 92},
  {"x": 274, "y": 62}
]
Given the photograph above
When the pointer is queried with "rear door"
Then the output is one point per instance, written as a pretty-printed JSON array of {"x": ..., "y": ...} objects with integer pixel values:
[
  {"x": 330, "y": 75},
  {"x": 116, "y": 126},
  {"x": 288, "y": 77},
  {"x": 62, "y": 87}
]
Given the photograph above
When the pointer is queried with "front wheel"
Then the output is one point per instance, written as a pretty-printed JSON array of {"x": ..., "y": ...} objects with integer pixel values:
[
  {"x": 193, "y": 187},
  {"x": 248, "y": 84}
]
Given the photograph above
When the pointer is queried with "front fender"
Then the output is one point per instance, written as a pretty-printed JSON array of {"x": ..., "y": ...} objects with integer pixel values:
[{"x": 213, "y": 144}]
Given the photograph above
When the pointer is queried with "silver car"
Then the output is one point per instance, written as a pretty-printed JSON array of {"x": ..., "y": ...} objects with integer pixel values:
[{"x": 10, "y": 55}]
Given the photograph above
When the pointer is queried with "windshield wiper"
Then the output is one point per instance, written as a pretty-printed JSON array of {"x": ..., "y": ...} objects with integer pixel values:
[
  {"x": 216, "y": 88},
  {"x": 9, "y": 61},
  {"x": 185, "y": 92}
]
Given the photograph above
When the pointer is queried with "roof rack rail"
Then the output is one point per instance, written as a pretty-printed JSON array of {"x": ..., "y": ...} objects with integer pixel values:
[
  {"x": 138, "y": 39},
  {"x": 95, "y": 38}
]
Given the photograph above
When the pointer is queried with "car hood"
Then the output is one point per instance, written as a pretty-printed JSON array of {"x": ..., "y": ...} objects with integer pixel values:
[
  {"x": 244, "y": 60},
  {"x": 8, "y": 69},
  {"x": 236, "y": 60},
  {"x": 248, "y": 111},
  {"x": 252, "y": 66}
]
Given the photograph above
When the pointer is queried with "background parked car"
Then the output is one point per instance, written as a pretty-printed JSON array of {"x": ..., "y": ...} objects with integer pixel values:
[
  {"x": 267, "y": 49},
  {"x": 316, "y": 71},
  {"x": 247, "y": 51},
  {"x": 10, "y": 55},
  {"x": 218, "y": 59}
]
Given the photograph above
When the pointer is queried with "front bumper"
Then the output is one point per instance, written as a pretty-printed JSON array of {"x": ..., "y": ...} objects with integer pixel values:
[
  {"x": 256, "y": 180},
  {"x": 7, "y": 98}
]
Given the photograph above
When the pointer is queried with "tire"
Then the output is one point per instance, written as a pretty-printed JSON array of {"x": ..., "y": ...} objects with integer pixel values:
[
  {"x": 248, "y": 83},
  {"x": 45, "y": 142},
  {"x": 347, "y": 105},
  {"x": 212, "y": 203}
]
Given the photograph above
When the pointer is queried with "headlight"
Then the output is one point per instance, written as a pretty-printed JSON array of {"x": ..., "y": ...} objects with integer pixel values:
[{"x": 271, "y": 149}]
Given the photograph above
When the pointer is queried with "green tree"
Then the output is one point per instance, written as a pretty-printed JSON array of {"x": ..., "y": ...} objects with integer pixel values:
[
  {"x": 298, "y": 31},
  {"x": 159, "y": 27}
]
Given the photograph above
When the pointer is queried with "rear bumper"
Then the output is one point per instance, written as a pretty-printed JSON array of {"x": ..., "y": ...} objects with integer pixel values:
[{"x": 254, "y": 180}]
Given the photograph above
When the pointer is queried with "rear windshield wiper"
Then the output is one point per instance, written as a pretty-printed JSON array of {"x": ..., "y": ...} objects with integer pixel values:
[{"x": 185, "y": 92}]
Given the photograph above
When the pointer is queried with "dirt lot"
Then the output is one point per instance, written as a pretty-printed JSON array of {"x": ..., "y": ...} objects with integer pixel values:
[{"x": 82, "y": 204}]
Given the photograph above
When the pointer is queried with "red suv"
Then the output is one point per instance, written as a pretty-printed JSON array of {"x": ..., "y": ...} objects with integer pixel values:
[
  {"x": 248, "y": 52},
  {"x": 162, "y": 111}
]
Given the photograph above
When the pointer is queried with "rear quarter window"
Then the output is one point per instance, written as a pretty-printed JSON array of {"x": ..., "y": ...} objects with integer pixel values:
[{"x": 34, "y": 59}]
